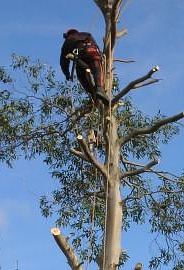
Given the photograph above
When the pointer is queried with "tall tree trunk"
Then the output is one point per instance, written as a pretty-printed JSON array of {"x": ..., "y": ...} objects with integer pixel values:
[
  {"x": 112, "y": 236},
  {"x": 114, "y": 210}
]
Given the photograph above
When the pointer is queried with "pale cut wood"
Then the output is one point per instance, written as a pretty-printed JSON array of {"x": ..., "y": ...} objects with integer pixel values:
[
  {"x": 66, "y": 249},
  {"x": 79, "y": 137}
]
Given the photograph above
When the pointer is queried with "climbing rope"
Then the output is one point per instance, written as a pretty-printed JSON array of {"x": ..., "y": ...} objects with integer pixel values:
[
  {"x": 90, "y": 249},
  {"x": 73, "y": 106}
]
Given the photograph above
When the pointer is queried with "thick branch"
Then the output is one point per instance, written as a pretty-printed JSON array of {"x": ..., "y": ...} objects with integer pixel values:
[
  {"x": 90, "y": 157},
  {"x": 135, "y": 84},
  {"x": 151, "y": 129},
  {"x": 114, "y": 18},
  {"x": 141, "y": 170},
  {"x": 66, "y": 249},
  {"x": 79, "y": 154},
  {"x": 102, "y": 4}
]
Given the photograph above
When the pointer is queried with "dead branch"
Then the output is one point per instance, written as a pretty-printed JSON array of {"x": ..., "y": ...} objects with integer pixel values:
[
  {"x": 136, "y": 84},
  {"x": 151, "y": 81},
  {"x": 141, "y": 170},
  {"x": 79, "y": 154},
  {"x": 123, "y": 60},
  {"x": 66, "y": 249},
  {"x": 165, "y": 177},
  {"x": 121, "y": 33},
  {"x": 90, "y": 157},
  {"x": 162, "y": 174},
  {"x": 151, "y": 129}
]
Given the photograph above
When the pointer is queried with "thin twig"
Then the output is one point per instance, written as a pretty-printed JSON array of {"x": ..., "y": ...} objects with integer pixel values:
[
  {"x": 123, "y": 60},
  {"x": 161, "y": 174}
]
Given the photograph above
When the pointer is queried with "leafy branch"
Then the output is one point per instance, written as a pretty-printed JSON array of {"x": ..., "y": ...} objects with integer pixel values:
[{"x": 151, "y": 129}]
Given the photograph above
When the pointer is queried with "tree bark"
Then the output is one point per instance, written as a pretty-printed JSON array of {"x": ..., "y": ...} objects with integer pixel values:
[
  {"x": 112, "y": 234},
  {"x": 113, "y": 231},
  {"x": 112, "y": 237}
]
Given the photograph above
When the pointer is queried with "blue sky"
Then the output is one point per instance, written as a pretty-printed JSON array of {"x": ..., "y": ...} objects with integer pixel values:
[{"x": 155, "y": 37}]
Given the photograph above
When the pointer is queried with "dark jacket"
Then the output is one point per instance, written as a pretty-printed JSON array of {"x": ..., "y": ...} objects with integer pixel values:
[{"x": 79, "y": 40}]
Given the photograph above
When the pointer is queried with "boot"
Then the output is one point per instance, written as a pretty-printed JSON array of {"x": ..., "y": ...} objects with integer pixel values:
[{"x": 100, "y": 93}]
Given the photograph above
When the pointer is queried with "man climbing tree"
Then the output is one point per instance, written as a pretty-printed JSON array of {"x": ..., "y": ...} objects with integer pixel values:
[
  {"x": 124, "y": 138},
  {"x": 83, "y": 47},
  {"x": 99, "y": 194}
]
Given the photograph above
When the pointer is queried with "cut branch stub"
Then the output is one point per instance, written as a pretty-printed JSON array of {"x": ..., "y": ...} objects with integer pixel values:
[
  {"x": 84, "y": 147},
  {"x": 140, "y": 82},
  {"x": 121, "y": 33},
  {"x": 138, "y": 266},
  {"x": 79, "y": 137},
  {"x": 66, "y": 249}
]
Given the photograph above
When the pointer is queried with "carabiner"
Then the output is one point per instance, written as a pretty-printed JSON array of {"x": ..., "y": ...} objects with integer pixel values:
[{"x": 76, "y": 52}]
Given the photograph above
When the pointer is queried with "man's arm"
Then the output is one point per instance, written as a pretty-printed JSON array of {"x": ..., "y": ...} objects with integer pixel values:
[{"x": 64, "y": 62}]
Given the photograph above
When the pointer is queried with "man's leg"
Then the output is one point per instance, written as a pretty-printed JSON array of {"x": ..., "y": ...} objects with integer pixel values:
[
  {"x": 97, "y": 72},
  {"x": 85, "y": 80}
]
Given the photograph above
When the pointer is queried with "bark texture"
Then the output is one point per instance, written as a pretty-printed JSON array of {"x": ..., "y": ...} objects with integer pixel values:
[{"x": 114, "y": 210}]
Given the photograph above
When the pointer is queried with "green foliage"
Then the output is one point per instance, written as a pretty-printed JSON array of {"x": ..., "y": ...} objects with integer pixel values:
[
  {"x": 40, "y": 116},
  {"x": 147, "y": 146}
]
